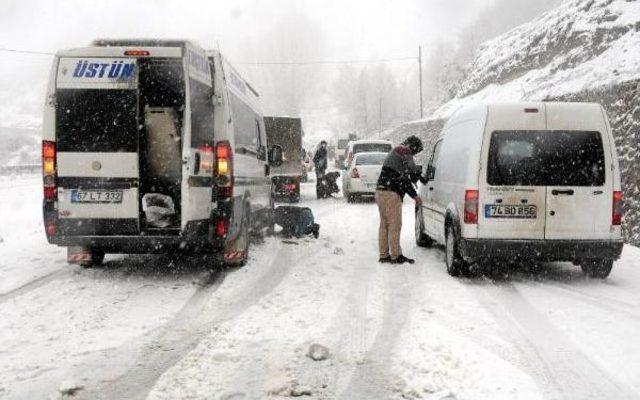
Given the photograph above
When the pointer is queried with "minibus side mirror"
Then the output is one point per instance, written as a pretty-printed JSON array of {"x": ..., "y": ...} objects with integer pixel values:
[{"x": 276, "y": 157}]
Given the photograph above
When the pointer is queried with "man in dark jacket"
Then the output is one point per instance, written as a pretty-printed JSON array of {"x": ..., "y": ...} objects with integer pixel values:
[
  {"x": 399, "y": 172},
  {"x": 321, "y": 163}
]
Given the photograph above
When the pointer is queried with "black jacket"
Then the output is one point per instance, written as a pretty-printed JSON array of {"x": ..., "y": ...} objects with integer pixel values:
[
  {"x": 320, "y": 159},
  {"x": 399, "y": 173}
]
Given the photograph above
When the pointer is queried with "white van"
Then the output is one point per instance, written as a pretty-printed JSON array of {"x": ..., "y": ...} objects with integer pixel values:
[
  {"x": 152, "y": 146},
  {"x": 533, "y": 181}
]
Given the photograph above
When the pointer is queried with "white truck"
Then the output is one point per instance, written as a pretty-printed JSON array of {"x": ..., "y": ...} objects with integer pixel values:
[{"x": 287, "y": 133}]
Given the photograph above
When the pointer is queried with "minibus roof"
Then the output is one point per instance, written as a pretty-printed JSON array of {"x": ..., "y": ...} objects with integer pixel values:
[{"x": 165, "y": 52}]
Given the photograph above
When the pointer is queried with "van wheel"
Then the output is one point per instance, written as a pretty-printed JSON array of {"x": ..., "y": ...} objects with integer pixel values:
[
  {"x": 350, "y": 198},
  {"x": 597, "y": 268},
  {"x": 422, "y": 239},
  {"x": 97, "y": 258},
  {"x": 456, "y": 265}
]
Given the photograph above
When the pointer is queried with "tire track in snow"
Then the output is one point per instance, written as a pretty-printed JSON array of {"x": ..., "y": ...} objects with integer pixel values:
[
  {"x": 173, "y": 341},
  {"x": 349, "y": 324},
  {"x": 605, "y": 303},
  {"x": 561, "y": 370},
  {"x": 370, "y": 379},
  {"x": 34, "y": 284},
  {"x": 153, "y": 357}
]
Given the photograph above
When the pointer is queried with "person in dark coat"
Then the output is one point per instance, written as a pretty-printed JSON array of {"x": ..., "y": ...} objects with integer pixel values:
[
  {"x": 321, "y": 163},
  {"x": 398, "y": 175}
]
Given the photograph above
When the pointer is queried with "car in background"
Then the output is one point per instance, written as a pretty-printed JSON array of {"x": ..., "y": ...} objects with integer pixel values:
[
  {"x": 361, "y": 177},
  {"x": 341, "y": 153},
  {"x": 366, "y": 146}
]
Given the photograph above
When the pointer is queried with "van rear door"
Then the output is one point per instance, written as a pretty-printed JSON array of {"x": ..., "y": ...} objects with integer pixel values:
[
  {"x": 512, "y": 203},
  {"x": 580, "y": 181},
  {"x": 96, "y": 124}
]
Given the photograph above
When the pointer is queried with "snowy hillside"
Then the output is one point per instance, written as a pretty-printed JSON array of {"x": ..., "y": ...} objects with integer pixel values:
[
  {"x": 584, "y": 50},
  {"x": 581, "y": 45}
]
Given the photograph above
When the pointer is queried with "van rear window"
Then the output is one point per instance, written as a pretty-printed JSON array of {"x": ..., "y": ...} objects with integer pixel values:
[
  {"x": 546, "y": 158},
  {"x": 96, "y": 120},
  {"x": 371, "y": 148}
]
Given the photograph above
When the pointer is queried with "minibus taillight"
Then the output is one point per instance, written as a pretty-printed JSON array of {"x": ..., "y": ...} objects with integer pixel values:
[
  {"x": 616, "y": 217},
  {"x": 224, "y": 169},
  {"x": 471, "y": 198},
  {"x": 355, "y": 174},
  {"x": 49, "y": 170}
]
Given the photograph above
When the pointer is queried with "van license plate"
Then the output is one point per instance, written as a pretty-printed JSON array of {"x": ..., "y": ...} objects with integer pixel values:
[
  {"x": 507, "y": 211},
  {"x": 96, "y": 196}
]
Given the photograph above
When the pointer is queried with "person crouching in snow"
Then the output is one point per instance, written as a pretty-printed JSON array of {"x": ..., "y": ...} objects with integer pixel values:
[{"x": 396, "y": 179}]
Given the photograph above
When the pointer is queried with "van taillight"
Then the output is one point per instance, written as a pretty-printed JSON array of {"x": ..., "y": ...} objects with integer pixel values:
[
  {"x": 355, "y": 174},
  {"x": 224, "y": 169},
  {"x": 471, "y": 198},
  {"x": 616, "y": 217},
  {"x": 49, "y": 170}
]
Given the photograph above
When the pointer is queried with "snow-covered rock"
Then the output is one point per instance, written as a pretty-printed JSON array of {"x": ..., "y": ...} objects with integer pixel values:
[{"x": 318, "y": 352}]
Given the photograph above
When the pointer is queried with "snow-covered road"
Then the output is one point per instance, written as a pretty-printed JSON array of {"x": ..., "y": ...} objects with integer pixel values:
[{"x": 165, "y": 328}]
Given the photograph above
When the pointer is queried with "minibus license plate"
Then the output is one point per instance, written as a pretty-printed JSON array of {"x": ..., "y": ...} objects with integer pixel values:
[
  {"x": 507, "y": 211},
  {"x": 96, "y": 196}
]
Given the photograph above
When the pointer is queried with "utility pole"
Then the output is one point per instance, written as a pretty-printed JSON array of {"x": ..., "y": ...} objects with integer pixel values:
[
  {"x": 380, "y": 117},
  {"x": 420, "y": 78}
]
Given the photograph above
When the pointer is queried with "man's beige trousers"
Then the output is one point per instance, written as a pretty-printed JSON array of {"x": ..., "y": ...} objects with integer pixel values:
[{"x": 390, "y": 207}]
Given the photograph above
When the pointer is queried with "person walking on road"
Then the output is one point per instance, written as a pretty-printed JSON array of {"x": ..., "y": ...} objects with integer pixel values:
[
  {"x": 399, "y": 172},
  {"x": 321, "y": 163}
]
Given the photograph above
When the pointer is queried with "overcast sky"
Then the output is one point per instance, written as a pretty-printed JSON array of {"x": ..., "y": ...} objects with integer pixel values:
[{"x": 343, "y": 29}]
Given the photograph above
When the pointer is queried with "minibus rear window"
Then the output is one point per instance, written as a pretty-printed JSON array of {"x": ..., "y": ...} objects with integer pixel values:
[
  {"x": 546, "y": 158},
  {"x": 371, "y": 148},
  {"x": 96, "y": 120}
]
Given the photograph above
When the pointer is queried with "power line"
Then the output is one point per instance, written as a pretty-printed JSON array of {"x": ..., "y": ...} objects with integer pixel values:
[
  {"x": 321, "y": 62},
  {"x": 26, "y": 51},
  {"x": 315, "y": 62}
]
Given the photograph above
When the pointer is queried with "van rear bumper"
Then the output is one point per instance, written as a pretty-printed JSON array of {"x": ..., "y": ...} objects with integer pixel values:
[{"x": 540, "y": 250}]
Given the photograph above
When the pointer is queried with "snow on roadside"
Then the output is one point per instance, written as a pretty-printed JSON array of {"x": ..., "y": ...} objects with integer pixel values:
[
  {"x": 601, "y": 318},
  {"x": 53, "y": 332},
  {"x": 26, "y": 255}
]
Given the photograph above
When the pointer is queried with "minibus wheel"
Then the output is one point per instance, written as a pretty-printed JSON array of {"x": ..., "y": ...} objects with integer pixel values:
[
  {"x": 597, "y": 268},
  {"x": 246, "y": 236}
]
